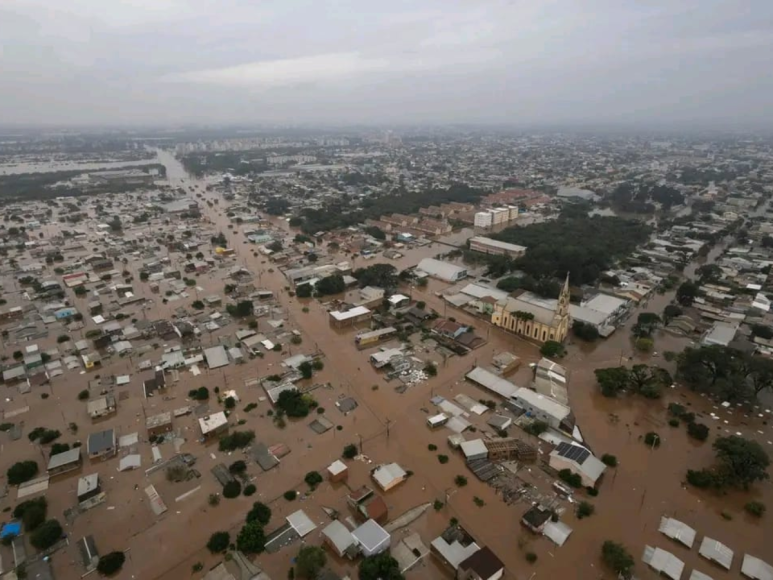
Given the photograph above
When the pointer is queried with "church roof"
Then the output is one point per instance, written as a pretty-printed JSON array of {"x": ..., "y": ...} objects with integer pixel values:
[{"x": 543, "y": 309}]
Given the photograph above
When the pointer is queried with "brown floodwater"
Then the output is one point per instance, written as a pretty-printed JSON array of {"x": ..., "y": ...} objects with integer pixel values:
[{"x": 392, "y": 427}]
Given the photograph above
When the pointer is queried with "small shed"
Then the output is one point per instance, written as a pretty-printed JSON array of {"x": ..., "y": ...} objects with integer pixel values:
[
  {"x": 337, "y": 471},
  {"x": 663, "y": 562},
  {"x": 388, "y": 476},
  {"x": 437, "y": 420},
  {"x": 677, "y": 530},
  {"x": 372, "y": 538},
  {"x": 716, "y": 552},
  {"x": 475, "y": 449},
  {"x": 338, "y": 538}
]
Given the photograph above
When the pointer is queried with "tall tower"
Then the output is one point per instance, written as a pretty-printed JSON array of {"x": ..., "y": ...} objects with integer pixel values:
[{"x": 562, "y": 309}]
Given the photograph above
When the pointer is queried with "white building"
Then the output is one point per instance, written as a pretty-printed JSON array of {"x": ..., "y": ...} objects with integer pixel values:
[{"x": 442, "y": 270}]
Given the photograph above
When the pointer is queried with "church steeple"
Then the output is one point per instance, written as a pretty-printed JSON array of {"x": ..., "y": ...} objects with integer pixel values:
[{"x": 562, "y": 308}]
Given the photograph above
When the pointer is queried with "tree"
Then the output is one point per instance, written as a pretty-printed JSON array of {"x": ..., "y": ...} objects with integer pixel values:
[
  {"x": 330, "y": 285},
  {"x": 241, "y": 309},
  {"x": 294, "y": 403},
  {"x": 741, "y": 461},
  {"x": 652, "y": 439},
  {"x": 375, "y": 232},
  {"x": 646, "y": 324},
  {"x": 584, "y": 510},
  {"x": 198, "y": 305},
  {"x": 755, "y": 508},
  {"x": 617, "y": 557},
  {"x": 380, "y": 567},
  {"x": 698, "y": 431},
  {"x": 609, "y": 460},
  {"x": 460, "y": 481},
  {"x": 552, "y": 349},
  {"x": 46, "y": 535},
  {"x": 310, "y": 562},
  {"x": 275, "y": 246},
  {"x": 584, "y": 331},
  {"x": 313, "y": 479},
  {"x": 236, "y": 440},
  {"x": 612, "y": 380},
  {"x": 670, "y": 312},
  {"x": 306, "y": 369},
  {"x": 83, "y": 395},
  {"x": 232, "y": 489},
  {"x": 111, "y": 563},
  {"x": 218, "y": 542},
  {"x": 644, "y": 344},
  {"x": 251, "y": 538},
  {"x": 304, "y": 291},
  {"x": 260, "y": 513},
  {"x": 295, "y": 221},
  {"x": 687, "y": 293},
  {"x": 237, "y": 467},
  {"x": 21, "y": 471},
  {"x": 350, "y": 451},
  {"x": 381, "y": 275}
]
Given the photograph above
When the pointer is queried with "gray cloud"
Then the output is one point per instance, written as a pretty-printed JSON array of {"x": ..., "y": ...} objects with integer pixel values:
[{"x": 490, "y": 61}]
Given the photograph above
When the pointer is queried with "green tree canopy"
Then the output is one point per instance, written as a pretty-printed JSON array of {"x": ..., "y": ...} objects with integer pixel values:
[
  {"x": 380, "y": 567},
  {"x": 310, "y": 562}
]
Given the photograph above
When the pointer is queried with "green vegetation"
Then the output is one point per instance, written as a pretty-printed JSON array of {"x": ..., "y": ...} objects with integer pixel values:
[
  {"x": 251, "y": 538},
  {"x": 330, "y": 285},
  {"x": 236, "y": 440},
  {"x": 380, "y": 275},
  {"x": 260, "y": 513},
  {"x": 552, "y": 349},
  {"x": 553, "y": 248},
  {"x": 43, "y": 435},
  {"x": 380, "y": 567},
  {"x": 200, "y": 394},
  {"x": 536, "y": 427},
  {"x": 249, "y": 490},
  {"x": 32, "y": 513},
  {"x": 460, "y": 481},
  {"x": 442, "y": 459},
  {"x": 232, "y": 489},
  {"x": 310, "y": 562},
  {"x": 609, "y": 460},
  {"x": 350, "y": 451},
  {"x": 652, "y": 439},
  {"x": 583, "y": 331},
  {"x": 46, "y": 535},
  {"x": 295, "y": 404},
  {"x": 432, "y": 447},
  {"x": 241, "y": 309},
  {"x": 218, "y": 542},
  {"x": 290, "y": 495},
  {"x": 478, "y": 501},
  {"x": 617, "y": 557},
  {"x": 438, "y": 505},
  {"x": 111, "y": 563},
  {"x": 725, "y": 372},
  {"x": 585, "y": 510},
  {"x": 21, "y": 472},
  {"x": 739, "y": 463},
  {"x": 531, "y": 557},
  {"x": 572, "y": 479},
  {"x": 83, "y": 395},
  {"x": 238, "y": 467},
  {"x": 339, "y": 214},
  {"x": 698, "y": 431},
  {"x": 313, "y": 479},
  {"x": 640, "y": 379},
  {"x": 755, "y": 508}
]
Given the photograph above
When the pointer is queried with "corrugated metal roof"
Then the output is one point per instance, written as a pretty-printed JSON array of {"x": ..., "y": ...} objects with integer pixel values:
[
  {"x": 663, "y": 562},
  {"x": 756, "y": 569},
  {"x": 677, "y": 530},
  {"x": 716, "y": 552}
]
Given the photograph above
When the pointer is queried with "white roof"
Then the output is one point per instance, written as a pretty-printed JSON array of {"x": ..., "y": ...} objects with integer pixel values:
[
  {"x": 301, "y": 523},
  {"x": 129, "y": 462},
  {"x": 547, "y": 404},
  {"x": 88, "y": 483},
  {"x": 696, "y": 575},
  {"x": 216, "y": 357},
  {"x": 386, "y": 474},
  {"x": 64, "y": 458},
  {"x": 351, "y": 313},
  {"x": 557, "y": 532},
  {"x": 212, "y": 422},
  {"x": 336, "y": 467},
  {"x": 756, "y": 569},
  {"x": 716, "y": 552},
  {"x": 497, "y": 243},
  {"x": 370, "y": 535},
  {"x": 440, "y": 269},
  {"x": 395, "y": 298},
  {"x": 663, "y": 562},
  {"x": 454, "y": 553},
  {"x": 677, "y": 530},
  {"x": 478, "y": 291},
  {"x": 492, "y": 382},
  {"x": 474, "y": 447},
  {"x": 339, "y": 535}
]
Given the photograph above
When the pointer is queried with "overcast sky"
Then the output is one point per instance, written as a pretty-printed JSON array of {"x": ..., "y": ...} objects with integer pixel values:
[{"x": 471, "y": 61}]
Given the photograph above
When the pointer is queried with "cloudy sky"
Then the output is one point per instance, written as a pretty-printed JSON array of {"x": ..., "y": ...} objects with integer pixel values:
[{"x": 366, "y": 61}]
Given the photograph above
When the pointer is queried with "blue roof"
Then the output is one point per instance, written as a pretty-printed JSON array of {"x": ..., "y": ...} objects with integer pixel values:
[{"x": 11, "y": 529}]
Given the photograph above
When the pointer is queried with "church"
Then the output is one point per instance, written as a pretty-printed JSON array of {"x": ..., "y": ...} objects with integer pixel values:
[{"x": 532, "y": 317}]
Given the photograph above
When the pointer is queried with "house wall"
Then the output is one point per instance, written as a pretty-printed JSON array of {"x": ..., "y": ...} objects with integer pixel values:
[{"x": 530, "y": 328}]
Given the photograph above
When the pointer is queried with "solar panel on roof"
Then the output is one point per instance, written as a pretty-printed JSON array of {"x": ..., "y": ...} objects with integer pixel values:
[{"x": 573, "y": 452}]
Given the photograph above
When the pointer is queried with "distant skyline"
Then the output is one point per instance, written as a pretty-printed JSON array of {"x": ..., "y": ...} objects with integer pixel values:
[{"x": 692, "y": 63}]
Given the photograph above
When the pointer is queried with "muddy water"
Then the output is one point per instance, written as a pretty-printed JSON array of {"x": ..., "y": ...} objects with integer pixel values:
[{"x": 633, "y": 497}]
